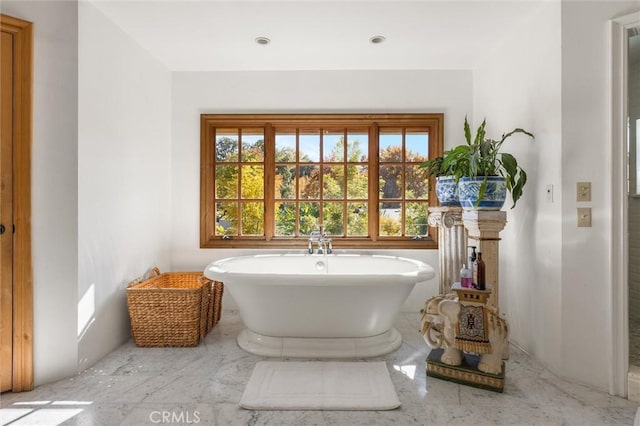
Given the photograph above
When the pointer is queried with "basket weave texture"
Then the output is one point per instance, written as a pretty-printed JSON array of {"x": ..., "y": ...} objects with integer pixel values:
[{"x": 173, "y": 308}]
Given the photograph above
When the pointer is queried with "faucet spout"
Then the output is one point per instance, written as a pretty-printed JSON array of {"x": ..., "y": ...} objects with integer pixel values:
[{"x": 320, "y": 237}]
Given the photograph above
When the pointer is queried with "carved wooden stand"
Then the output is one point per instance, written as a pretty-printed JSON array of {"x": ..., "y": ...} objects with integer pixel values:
[
  {"x": 483, "y": 229},
  {"x": 480, "y": 334},
  {"x": 475, "y": 343}
]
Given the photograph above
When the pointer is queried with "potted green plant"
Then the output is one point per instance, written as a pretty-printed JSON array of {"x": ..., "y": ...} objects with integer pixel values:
[
  {"x": 483, "y": 172},
  {"x": 446, "y": 183}
]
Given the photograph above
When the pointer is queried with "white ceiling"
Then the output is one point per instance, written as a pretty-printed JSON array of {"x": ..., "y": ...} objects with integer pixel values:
[{"x": 216, "y": 35}]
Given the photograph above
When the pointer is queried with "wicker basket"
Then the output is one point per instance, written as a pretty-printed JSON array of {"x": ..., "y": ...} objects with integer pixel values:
[
  {"x": 173, "y": 309},
  {"x": 214, "y": 311}
]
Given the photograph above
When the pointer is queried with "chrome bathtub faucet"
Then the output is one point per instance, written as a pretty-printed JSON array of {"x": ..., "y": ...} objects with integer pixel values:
[{"x": 322, "y": 239}]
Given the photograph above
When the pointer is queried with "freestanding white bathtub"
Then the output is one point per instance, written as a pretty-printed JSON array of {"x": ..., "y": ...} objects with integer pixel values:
[{"x": 301, "y": 305}]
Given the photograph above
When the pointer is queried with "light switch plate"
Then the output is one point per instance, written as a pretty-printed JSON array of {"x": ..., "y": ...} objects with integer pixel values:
[
  {"x": 583, "y": 191},
  {"x": 549, "y": 193},
  {"x": 584, "y": 217}
]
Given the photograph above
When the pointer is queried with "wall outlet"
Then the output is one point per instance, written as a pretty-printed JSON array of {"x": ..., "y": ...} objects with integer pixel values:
[
  {"x": 584, "y": 217},
  {"x": 583, "y": 191}
]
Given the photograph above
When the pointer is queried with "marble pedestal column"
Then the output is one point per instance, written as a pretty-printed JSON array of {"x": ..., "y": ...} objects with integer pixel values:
[
  {"x": 452, "y": 243},
  {"x": 483, "y": 231}
]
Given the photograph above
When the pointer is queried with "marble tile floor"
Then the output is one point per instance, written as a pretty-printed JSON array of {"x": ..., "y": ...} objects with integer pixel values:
[{"x": 202, "y": 385}]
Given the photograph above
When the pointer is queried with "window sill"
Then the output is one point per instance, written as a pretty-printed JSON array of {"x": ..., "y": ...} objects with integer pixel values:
[{"x": 301, "y": 244}]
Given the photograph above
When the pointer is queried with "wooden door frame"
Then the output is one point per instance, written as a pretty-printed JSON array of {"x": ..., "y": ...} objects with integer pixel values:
[
  {"x": 22, "y": 31},
  {"x": 619, "y": 249}
]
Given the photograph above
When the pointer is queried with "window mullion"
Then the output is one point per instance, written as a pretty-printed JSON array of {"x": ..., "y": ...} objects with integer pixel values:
[
  {"x": 321, "y": 178},
  {"x": 239, "y": 201},
  {"x": 269, "y": 181},
  {"x": 297, "y": 183},
  {"x": 374, "y": 159},
  {"x": 403, "y": 187},
  {"x": 345, "y": 200}
]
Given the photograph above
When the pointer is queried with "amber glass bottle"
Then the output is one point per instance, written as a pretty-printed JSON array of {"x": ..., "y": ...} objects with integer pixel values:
[{"x": 480, "y": 268}]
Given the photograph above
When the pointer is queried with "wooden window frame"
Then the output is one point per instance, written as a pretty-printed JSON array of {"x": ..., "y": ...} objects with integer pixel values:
[{"x": 209, "y": 122}]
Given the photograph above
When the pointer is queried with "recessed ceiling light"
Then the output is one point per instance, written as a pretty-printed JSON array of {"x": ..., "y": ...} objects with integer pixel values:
[
  {"x": 262, "y": 40},
  {"x": 377, "y": 39}
]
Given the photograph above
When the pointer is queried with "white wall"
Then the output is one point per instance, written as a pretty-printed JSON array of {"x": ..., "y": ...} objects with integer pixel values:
[
  {"x": 555, "y": 276},
  {"x": 116, "y": 205},
  {"x": 551, "y": 77},
  {"x": 124, "y": 184},
  {"x": 519, "y": 86},
  {"x": 297, "y": 92},
  {"x": 586, "y": 156},
  {"x": 54, "y": 184}
]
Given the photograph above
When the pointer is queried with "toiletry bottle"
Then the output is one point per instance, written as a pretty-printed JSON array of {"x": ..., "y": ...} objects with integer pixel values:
[
  {"x": 473, "y": 256},
  {"x": 472, "y": 265},
  {"x": 466, "y": 277},
  {"x": 481, "y": 284}
]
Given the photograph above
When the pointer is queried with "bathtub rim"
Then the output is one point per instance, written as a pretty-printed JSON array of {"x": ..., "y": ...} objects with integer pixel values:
[
  {"x": 215, "y": 270},
  {"x": 320, "y": 347}
]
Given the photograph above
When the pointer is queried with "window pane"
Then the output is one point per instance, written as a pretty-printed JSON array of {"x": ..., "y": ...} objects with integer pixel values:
[
  {"x": 390, "y": 220},
  {"x": 416, "y": 219},
  {"x": 285, "y": 219},
  {"x": 310, "y": 146},
  {"x": 333, "y": 147},
  {"x": 332, "y": 218},
  {"x": 285, "y": 146},
  {"x": 226, "y": 182},
  {"x": 227, "y": 145},
  {"x": 390, "y": 182},
  {"x": 252, "y": 181},
  {"x": 309, "y": 182},
  {"x": 357, "y": 181},
  {"x": 309, "y": 217},
  {"x": 357, "y": 146},
  {"x": 253, "y": 218},
  {"x": 285, "y": 182},
  {"x": 416, "y": 183},
  {"x": 390, "y": 145},
  {"x": 252, "y": 145},
  {"x": 226, "y": 219},
  {"x": 357, "y": 220},
  {"x": 417, "y": 146},
  {"x": 333, "y": 182}
]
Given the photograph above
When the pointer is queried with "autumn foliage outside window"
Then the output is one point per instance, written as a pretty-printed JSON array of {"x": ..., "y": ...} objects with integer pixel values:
[{"x": 269, "y": 180}]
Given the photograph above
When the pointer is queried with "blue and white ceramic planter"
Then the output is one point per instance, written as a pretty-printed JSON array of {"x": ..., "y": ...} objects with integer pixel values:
[
  {"x": 447, "y": 191},
  {"x": 494, "y": 195}
]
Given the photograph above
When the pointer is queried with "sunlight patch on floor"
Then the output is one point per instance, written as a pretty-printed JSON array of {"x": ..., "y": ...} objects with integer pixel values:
[
  {"x": 407, "y": 370},
  {"x": 44, "y": 413}
]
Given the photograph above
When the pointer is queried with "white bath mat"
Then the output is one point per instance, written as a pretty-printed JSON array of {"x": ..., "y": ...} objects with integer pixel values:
[{"x": 316, "y": 385}]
